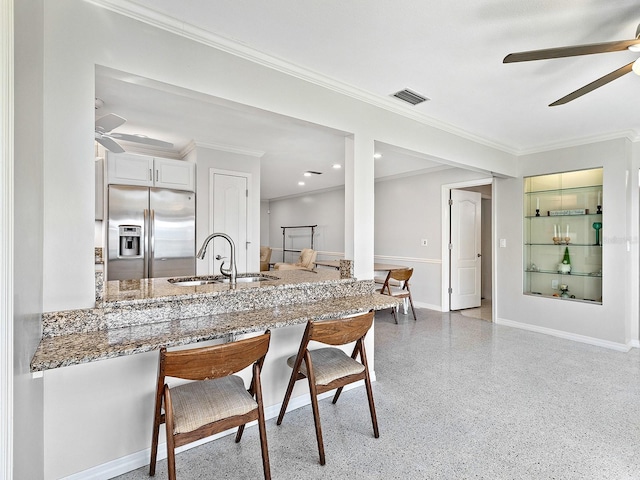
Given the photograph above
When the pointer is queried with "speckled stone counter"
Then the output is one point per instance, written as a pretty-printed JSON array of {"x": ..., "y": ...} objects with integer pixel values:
[{"x": 136, "y": 316}]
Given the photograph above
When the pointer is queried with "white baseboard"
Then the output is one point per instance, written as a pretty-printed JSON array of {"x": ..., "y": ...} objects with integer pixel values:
[
  {"x": 635, "y": 343},
  {"x": 621, "y": 347},
  {"x": 140, "y": 459}
]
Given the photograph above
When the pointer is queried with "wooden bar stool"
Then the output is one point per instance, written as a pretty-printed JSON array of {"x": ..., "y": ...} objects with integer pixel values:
[
  {"x": 330, "y": 368},
  {"x": 215, "y": 401}
]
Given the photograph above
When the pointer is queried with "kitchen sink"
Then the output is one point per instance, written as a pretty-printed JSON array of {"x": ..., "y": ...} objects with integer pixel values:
[
  {"x": 205, "y": 280},
  {"x": 248, "y": 278},
  {"x": 193, "y": 281}
]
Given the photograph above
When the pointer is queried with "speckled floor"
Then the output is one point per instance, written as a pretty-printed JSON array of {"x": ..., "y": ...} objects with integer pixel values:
[{"x": 457, "y": 398}]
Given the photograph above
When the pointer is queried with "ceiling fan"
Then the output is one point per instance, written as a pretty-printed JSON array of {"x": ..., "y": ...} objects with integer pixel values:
[
  {"x": 587, "y": 49},
  {"x": 105, "y": 136}
]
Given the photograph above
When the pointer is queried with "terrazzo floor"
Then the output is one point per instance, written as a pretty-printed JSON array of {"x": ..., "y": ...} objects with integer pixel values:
[{"x": 456, "y": 398}]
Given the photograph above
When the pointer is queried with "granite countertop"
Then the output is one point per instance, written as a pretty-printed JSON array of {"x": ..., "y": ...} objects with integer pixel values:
[
  {"x": 136, "y": 316},
  {"x": 152, "y": 290}
]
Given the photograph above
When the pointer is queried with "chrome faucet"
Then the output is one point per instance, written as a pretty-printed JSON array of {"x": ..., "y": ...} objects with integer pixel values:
[{"x": 230, "y": 272}]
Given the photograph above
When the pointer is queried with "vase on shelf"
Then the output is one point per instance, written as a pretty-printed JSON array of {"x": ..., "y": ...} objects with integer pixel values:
[{"x": 597, "y": 226}]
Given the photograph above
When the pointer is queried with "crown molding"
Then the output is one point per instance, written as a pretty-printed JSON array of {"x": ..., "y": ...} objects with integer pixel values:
[
  {"x": 222, "y": 148},
  {"x": 577, "y": 142},
  {"x": 159, "y": 20},
  {"x": 156, "y": 19},
  {"x": 304, "y": 194}
]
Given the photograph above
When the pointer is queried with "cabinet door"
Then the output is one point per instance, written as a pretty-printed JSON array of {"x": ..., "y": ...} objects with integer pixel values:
[
  {"x": 175, "y": 174},
  {"x": 129, "y": 169}
]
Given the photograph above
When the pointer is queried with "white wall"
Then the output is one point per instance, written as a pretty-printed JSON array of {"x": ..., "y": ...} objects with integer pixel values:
[
  {"x": 265, "y": 222},
  {"x": 410, "y": 209},
  {"x": 28, "y": 405},
  {"x": 608, "y": 323},
  {"x": 324, "y": 209}
]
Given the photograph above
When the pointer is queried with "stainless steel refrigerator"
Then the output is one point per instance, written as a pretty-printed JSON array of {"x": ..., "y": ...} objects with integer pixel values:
[{"x": 151, "y": 234}]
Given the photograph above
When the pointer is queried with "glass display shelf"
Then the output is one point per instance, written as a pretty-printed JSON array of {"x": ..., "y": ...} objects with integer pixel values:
[{"x": 563, "y": 231}]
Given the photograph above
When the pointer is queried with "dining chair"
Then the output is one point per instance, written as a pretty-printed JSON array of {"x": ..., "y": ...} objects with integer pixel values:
[
  {"x": 216, "y": 400},
  {"x": 330, "y": 368},
  {"x": 265, "y": 258},
  {"x": 397, "y": 285}
]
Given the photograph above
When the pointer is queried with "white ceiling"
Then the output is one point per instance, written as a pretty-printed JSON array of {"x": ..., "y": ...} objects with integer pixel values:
[{"x": 448, "y": 51}]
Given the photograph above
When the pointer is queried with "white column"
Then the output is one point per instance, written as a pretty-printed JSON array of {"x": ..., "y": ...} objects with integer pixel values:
[
  {"x": 359, "y": 204},
  {"x": 6, "y": 239}
]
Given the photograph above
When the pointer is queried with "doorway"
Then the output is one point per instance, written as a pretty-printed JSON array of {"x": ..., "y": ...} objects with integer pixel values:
[{"x": 484, "y": 252}]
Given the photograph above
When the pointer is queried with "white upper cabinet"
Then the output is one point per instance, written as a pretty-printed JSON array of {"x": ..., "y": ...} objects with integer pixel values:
[
  {"x": 130, "y": 169},
  {"x": 175, "y": 174}
]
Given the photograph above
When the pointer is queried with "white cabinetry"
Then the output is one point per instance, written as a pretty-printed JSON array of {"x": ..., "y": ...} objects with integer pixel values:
[
  {"x": 175, "y": 174},
  {"x": 130, "y": 169}
]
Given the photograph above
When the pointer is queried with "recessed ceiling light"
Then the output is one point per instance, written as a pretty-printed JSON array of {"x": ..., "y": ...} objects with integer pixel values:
[
  {"x": 301, "y": 183},
  {"x": 377, "y": 155},
  {"x": 307, "y": 174},
  {"x": 336, "y": 166}
]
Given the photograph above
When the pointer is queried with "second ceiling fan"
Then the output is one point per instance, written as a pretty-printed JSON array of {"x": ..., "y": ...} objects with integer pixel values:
[
  {"x": 107, "y": 138},
  {"x": 586, "y": 49}
]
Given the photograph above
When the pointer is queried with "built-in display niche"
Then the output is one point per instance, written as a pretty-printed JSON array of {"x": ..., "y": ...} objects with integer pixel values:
[{"x": 563, "y": 236}]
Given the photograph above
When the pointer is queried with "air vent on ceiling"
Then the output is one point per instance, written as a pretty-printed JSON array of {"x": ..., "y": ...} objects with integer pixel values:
[{"x": 410, "y": 97}]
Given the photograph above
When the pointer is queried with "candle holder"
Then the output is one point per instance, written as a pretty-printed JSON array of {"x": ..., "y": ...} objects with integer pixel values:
[
  {"x": 598, "y": 208},
  {"x": 597, "y": 226},
  {"x": 537, "y": 212},
  {"x": 556, "y": 240},
  {"x": 566, "y": 240}
]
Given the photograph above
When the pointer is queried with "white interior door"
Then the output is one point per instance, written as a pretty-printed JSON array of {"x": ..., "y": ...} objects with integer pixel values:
[
  {"x": 465, "y": 248},
  {"x": 229, "y": 215}
]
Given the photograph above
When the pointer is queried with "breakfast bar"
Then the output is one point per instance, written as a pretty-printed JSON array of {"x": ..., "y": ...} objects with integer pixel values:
[
  {"x": 136, "y": 316},
  {"x": 100, "y": 364}
]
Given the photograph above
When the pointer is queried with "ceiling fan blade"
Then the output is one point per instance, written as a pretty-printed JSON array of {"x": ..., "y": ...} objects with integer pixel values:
[
  {"x": 141, "y": 139},
  {"x": 595, "y": 84},
  {"x": 109, "y": 122},
  {"x": 109, "y": 143},
  {"x": 572, "y": 51}
]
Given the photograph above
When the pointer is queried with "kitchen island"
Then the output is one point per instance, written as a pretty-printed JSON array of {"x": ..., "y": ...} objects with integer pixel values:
[{"x": 136, "y": 316}]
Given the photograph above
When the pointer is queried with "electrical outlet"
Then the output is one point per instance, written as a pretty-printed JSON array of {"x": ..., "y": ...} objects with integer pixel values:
[
  {"x": 554, "y": 284},
  {"x": 424, "y": 242}
]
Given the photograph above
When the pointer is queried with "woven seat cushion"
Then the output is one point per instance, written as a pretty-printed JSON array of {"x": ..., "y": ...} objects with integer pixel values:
[
  {"x": 198, "y": 403},
  {"x": 329, "y": 364}
]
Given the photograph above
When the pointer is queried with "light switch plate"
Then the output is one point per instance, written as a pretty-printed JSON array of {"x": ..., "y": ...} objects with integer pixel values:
[
  {"x": 503, "y": 243},
  {"x": 554, "y": 284}
]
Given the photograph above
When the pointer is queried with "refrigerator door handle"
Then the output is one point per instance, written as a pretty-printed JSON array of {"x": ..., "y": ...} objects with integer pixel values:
[
  {"x": 145, "y": 241},
  {"x": 152, "y": 241}
]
